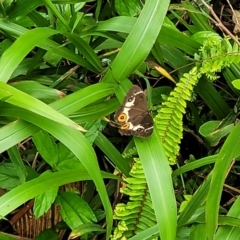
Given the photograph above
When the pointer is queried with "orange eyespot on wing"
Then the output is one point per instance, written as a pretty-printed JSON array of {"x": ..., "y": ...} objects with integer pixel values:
[
  {"x": 125, "y": 126},
  {"x": 122, "y": 117}
]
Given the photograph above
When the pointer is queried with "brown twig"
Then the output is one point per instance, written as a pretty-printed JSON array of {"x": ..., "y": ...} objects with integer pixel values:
[
  {"x": 21, "y": 212},
  {"x": 219, "y": 23}
]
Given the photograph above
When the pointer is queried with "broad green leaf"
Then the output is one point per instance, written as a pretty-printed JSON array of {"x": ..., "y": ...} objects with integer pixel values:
[
  {"x": 93, "y": 129},
  {"x": 9, "y": 178},
  {"x": 127, "y": 8},
  {"x": 74, "y": 210},
  {"x": 66, "y": 159},
  {"x": 86, "y": 228},
  {"x": 47, "y": 234},
  {"x": 46, "y": 147},
  {"x": 43, "y": 202},
  {"x": 17, "y": 163}
]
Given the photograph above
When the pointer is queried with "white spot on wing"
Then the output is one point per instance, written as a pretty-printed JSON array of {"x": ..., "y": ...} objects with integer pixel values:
[
  {"x": 127, "y": 108},
  {"x": 131, "y": 127},
  {"x": 136, "y": 93},
  {"x": 126, "y": 111},
  {"x": 137, "y": 127},
  {"x": 140, "y": 126},
  {"x": 148, "y": 128},
  {"x": 130, "y": 104}
]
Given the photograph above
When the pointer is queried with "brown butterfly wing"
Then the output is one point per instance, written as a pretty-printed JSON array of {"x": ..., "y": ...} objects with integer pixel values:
[
  {"x": 135, "y": 107},
  {"x": 130, "y": 95},
  {"x": 147, "y": 124},
  {"x": 142, "y": 126}
]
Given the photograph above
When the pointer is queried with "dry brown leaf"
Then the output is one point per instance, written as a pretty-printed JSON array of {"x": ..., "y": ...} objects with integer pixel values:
[{"x": 236, "y": 20}]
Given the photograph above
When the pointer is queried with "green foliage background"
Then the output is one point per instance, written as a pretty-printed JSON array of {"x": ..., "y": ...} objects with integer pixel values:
[{"x": 52, "y": 59}]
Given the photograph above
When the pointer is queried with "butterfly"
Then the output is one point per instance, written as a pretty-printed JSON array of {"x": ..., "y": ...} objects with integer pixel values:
[{"x": 133, "y": 117}]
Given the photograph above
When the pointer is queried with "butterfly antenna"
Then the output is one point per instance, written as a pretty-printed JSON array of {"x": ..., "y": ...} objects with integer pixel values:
[{"x": 112, "y": 123}]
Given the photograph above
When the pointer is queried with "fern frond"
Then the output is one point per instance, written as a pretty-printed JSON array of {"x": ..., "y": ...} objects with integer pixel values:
[
  {"x": 138, "y": 214},
  {"x": 215, "y": 54},
  {"x": 169, "y": 119},
  {"x": 129, "y": 153}
]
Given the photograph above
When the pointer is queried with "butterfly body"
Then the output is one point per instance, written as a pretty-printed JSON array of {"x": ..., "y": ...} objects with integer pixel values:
[{"x": 133, "y": 117}]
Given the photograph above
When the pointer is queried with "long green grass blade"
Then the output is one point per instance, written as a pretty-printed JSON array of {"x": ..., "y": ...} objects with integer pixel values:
[
  {"x": 158, "y": 175},
  {"x": 31, "y": 189},
  {"x": 139, "y": 41},
  {"x": 218, "y": 177},
  {"x": 19, "y": 49}
]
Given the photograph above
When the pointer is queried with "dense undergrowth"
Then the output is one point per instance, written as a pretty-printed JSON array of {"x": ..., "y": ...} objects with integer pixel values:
[{"x": 65, "y": 172}]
